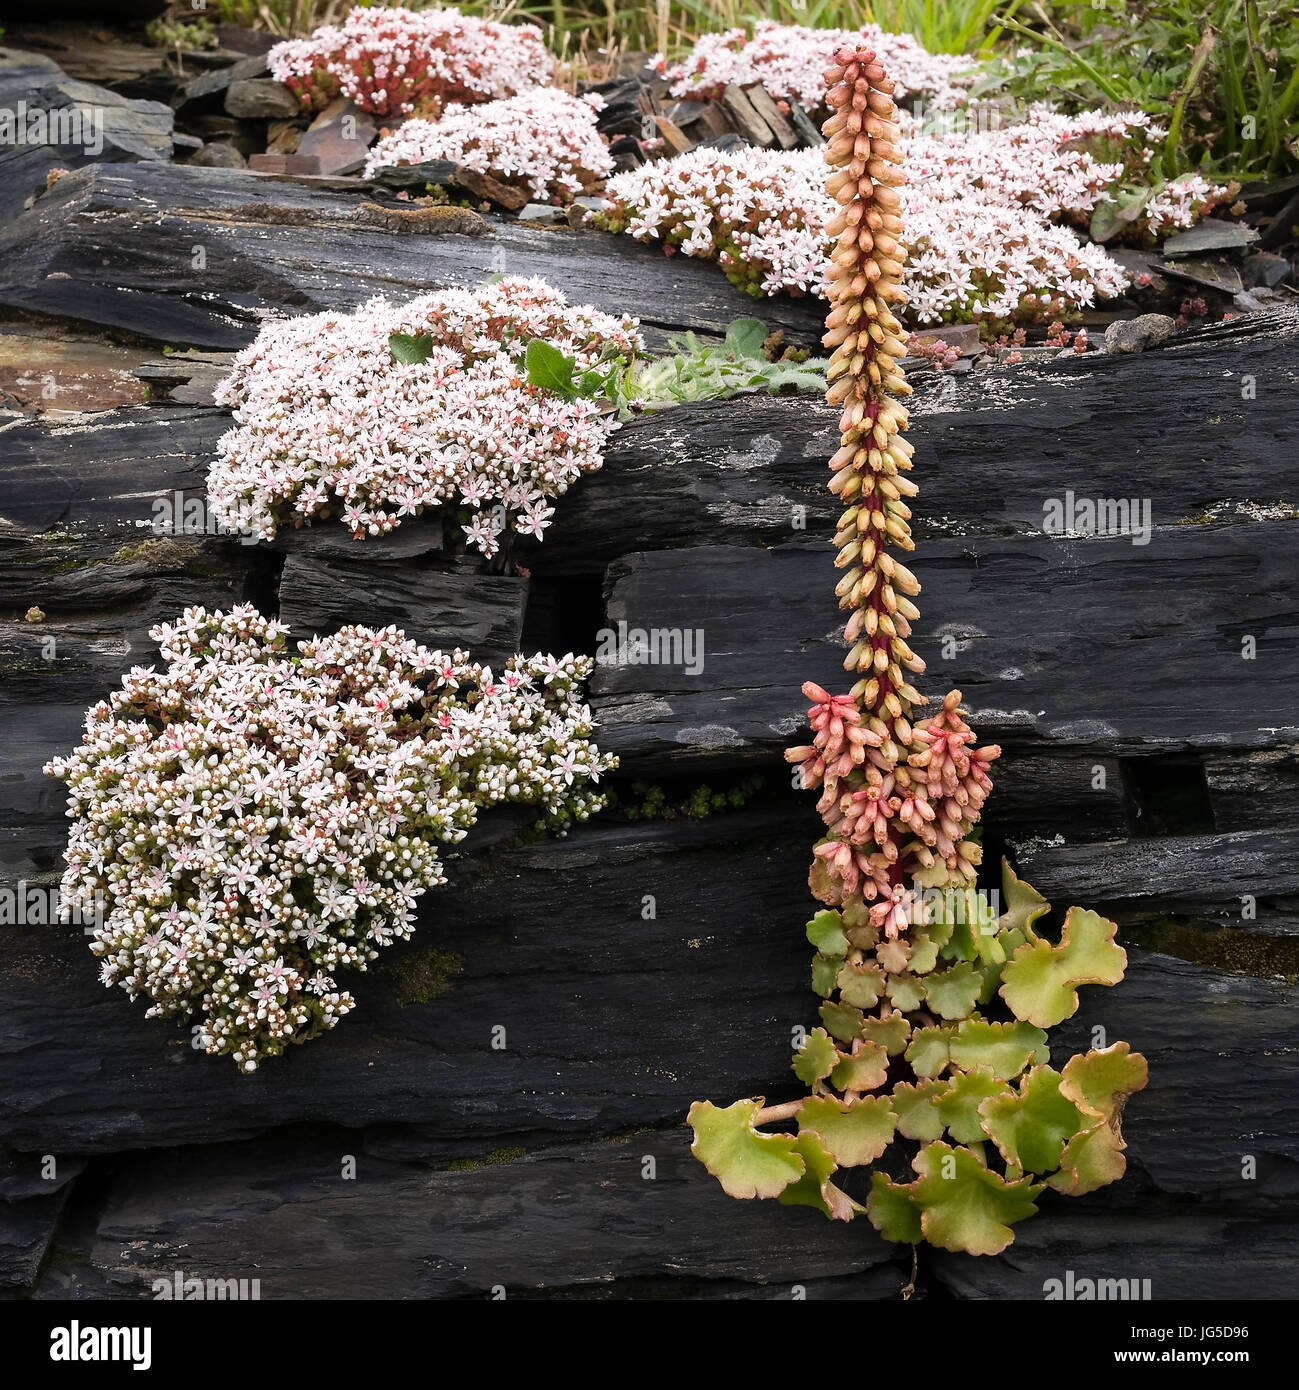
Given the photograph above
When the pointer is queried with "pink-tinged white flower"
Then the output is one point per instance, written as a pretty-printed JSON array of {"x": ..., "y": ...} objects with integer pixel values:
[{"x": 544, "y": 140}]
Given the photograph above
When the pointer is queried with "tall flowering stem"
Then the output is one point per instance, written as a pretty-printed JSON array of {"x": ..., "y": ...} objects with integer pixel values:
[{"x": 932, "y": 1045}]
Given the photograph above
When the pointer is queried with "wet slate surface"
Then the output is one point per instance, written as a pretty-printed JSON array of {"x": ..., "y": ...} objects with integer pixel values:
[{"x": 1149, "y": 768}]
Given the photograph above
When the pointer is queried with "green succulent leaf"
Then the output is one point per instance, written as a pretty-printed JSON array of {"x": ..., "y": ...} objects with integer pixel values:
[
  {"x": 964, "y": 1206},
  {"x": 547, "y": 366},
  {"x": 893, "y": 1211},
  {"x": 860, "y": 985},
  {"x": 842, "y": 1021},
  {"x": 1031, "y": 1128},
  {"x": 924, "y": 953},
  {"x": 814, "y": 1188},
  {"x": 1101, "y": 1082},
  {"x": 905, "y": 992},
  {"x": 1005, "y": 1047},
  {"x": 958, "y": 1106},
  {"x": 894, "y": 956},
  {"x": 854, "y": 1131},
  {"x": 825, "y": 970},
  {"x": 825, "y": 932},
  {"x": 1090, "y": 1160},
  {"x": 410, "y": 349},
  {"x": 891, "y": 1032},
  {"x": 951, "y": 994},
  {"x": 918, "y": 1118},
  {"x": 1024, "y": 904},
  {"x": 746, "y": 1162},
  {"x": 863, "y": 1070},
  {"x": 929, "y": 1050},
  {"x": 1040, "y": 982},
  {"x": 745, "y": 338},
  {"x": 815, "y": 1058}
]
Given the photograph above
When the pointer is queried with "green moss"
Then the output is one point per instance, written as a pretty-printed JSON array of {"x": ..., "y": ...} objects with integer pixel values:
[
  {"x": 424, "y": 976},
  {"x": 1198, "y": 519},
  {"x": 1232, "y": 949},
  {"x": 160, "y": 552},
  {"x": 463, "y": 1165}
]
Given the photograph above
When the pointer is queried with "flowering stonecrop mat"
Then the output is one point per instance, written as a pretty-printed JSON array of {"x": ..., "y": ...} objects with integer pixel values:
[
  {"x": 932, "y": 1049},
  {"x": 255, "y": 821},
  {"x": 332, "y": 422},
  {"x": 393, "y": 62},
  {"x": 543, "y": 139}
]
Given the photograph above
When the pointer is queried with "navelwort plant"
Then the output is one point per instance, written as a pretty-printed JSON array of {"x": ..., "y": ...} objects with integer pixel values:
[{"x": 932, "y": 1041}]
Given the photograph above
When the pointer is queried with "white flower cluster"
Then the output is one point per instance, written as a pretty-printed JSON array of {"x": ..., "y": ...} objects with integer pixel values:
[
  {"x": 1059, "y": 166},
  {"x": 980, "y": 211},
  {"x": 256, "y": 822},
  {"x": 395, "y": 61},
  {"x": 544, "y": 139},
  {"x": 790, "y": 61},
  {"x": 329, "y": 424},
  {"x": 762, "y": 215}
]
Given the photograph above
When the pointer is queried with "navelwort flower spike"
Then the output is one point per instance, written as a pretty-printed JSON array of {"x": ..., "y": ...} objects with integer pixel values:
[{"x": 932, "y": 1045}]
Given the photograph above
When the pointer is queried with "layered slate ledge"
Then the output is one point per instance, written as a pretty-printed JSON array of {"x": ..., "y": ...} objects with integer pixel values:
[
  {"x": 1149, "y": 769},
  {"x": 200, "y": 257}
]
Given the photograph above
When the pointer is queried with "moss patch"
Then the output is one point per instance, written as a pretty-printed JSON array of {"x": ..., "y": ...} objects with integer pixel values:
[
  {"x": 425, "y": 976},
  {"x": 463, "y": 1165},
  {"x": 1224, "y": 948}
]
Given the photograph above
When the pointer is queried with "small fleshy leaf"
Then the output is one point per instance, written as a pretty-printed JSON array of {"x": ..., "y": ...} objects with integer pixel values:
[
  {"x": 842, "y": 1022},
  {"x": 893, "y": 956},
  {"x": 951, "y": 994},
  {"x": 1031, "y": 1128},
  {"x": 815, "y": 1058},
  {"x": 1024, "y": 904},
  {"x": 866, "y": 1068},
  {"x": 1040, "y": 982},
  {"x": 965, "y": 1206},
  {"x": 825, "y": 970},
  {"x": 929, "y": 1050},
  {"x": 958, "y": 1106},
  {"x": 814, "y": 1188},
  {"x": 905, "y": 992},
  {"x": 914, "y": 1106},
  {"x": 1090, "y": 1160},
  {"x": 924, "y": 953},
  {"x": 860, "y": 985},
  {"x": 853, "y": 1131},
  {"x": 1101, "y": 1082},
  {"x": 1005, "y": 1047},
  {"x": 746, "y": 1162},
  {"x": 891, "y": 1032},
  {"x": 825, "y": 932},
  {"x": 893, "y": 1211}
]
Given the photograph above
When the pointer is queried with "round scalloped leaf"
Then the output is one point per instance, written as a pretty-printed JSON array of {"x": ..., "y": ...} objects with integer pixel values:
[
  {"x": 842, "y": 1021},
  {"x": 825, "y": 971},
  {"x": 891, "y": 1032},
  {"x": 860, "y": 985},
  {"x": 893, "y": 956},
  {"x": 745, "y": 1162},
  {"x": 929, "y": 1050},
  {"x": 892, "y": 1210},
  {"x": 914, "y": 1107},
  {"x": 857, "y": 924},
  {"x": 951, "y": 994},
  {"x": 1005, "y": 1047},
  {"x": 964, "y": 1206},
  {"x": 905, "y": 992},
  {"x": 1024, "y": 904},
  {"x": 1040, "y": 982},
  {"x": 825, "y": 932},
  {"x": 958, "y": 1106},
  {"x": 866, "y": 1068},
  {"x": 1031, "y": 1128},
  {"x": 814, "y": 1188},
  {"x": 1101, "y": 1082},
  {"x": 816, "y": 1057},
  {"x": 1090, "y": 1160},
  {"x": 924, "y": 953},
  {"x": 854, "y": 1131}
]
